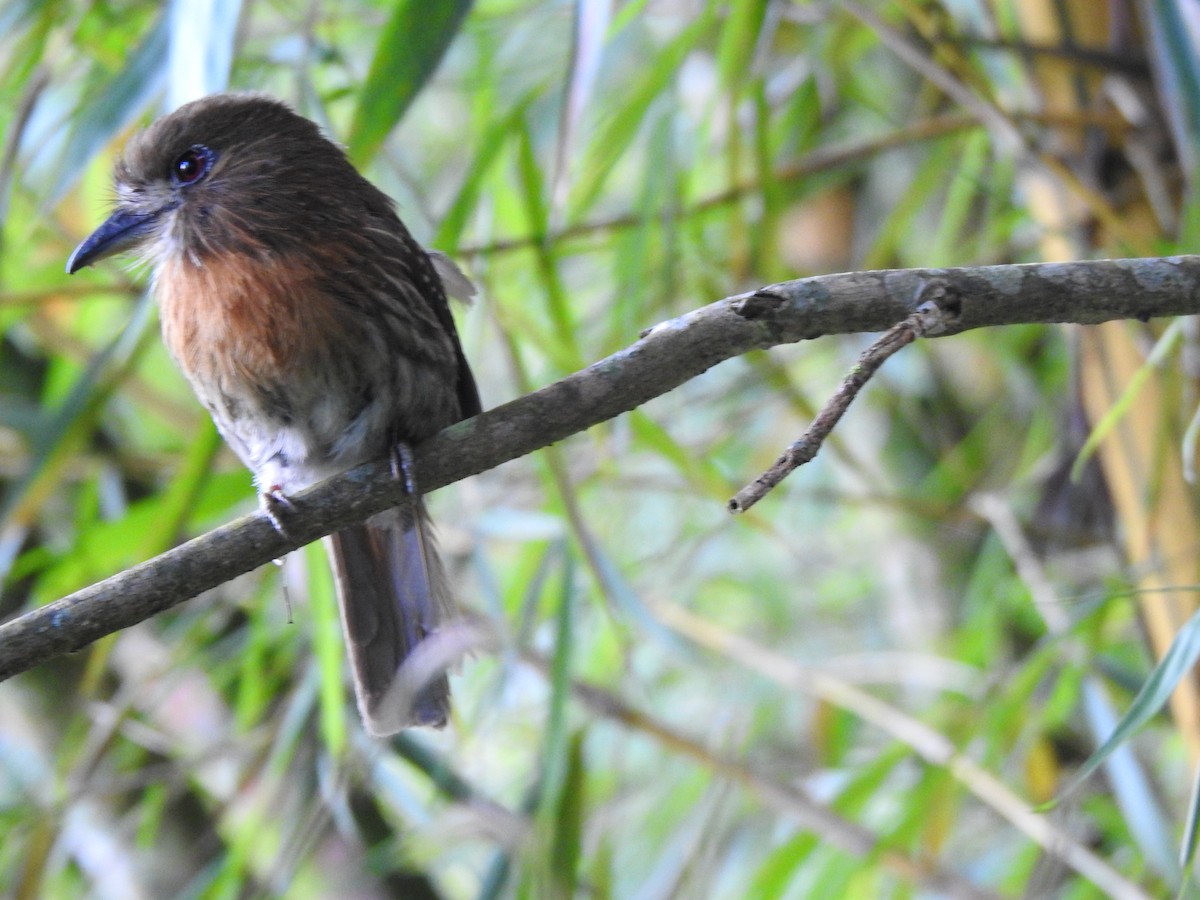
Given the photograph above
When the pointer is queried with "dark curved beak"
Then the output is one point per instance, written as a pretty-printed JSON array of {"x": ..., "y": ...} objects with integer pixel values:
[{"x": 119, "y": 231}]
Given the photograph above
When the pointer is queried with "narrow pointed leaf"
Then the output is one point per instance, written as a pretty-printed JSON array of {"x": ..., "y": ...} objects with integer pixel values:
[
  {"x": 413, "y": 43},
  {"x": 1179, "y": 659}
]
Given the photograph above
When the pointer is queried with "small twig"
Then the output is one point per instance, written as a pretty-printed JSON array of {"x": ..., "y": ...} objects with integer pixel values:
[{"x": 938, "y": 306}]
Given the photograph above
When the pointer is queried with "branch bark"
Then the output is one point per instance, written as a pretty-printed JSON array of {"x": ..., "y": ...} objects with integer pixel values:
[{"x": 665, "y": 357}]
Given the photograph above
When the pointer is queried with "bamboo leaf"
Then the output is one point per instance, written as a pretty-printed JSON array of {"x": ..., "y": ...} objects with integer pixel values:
[
  {"x": 109, "y": 109},
  {"x": 558, "y": 308},
  {"x": 327, "y": 646},
  {"x": 1176, "y": 663},
  {"x": 1164, "y": 346},
  {"x": 1191, "y": 832},
  {"x": 415, "y": 39},
  {"x": 492, "y": 141},
  {"x": 735, "y": 54},
  {"x": 68, "y": 425},
  {"x": 1173, "y": 44},
  {"x": 618, "y": 134},
  {"x": 567, "y": 844}
]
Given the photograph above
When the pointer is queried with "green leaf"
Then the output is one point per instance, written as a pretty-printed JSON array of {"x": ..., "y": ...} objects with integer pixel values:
[
  {"x": 1173, "y": 51},
  {"x": 178, "y": 500},
  {"x": 1165, "y": 345},
  {"x": 735, "y": 55},
  {"x": 327, "y": 646},
  {"x": 782, "y": 864},
  {"x": 255, "y": 688},
  {"x": 950, "y": 245},
  {"x": 622, "y": 127},
  {"x": 1191, "y": 833},
  {"x": 893, "y": 234},
  {"x": 493, "y": 139},
  {"x": 558, "y": 306},
  {"x": 69, "y": 425},
  {"x": 436, "y": 767},
  {"x": 699, "y": 470},
  {"x": 567, "y": 845},
  {"x": 106, "y": 111},
  {"x": 413, "y": 43},
  {"x": 151, "y": 807},
  {"x": 1179, "y": 659},
  {"x": 560, "y": 685}
]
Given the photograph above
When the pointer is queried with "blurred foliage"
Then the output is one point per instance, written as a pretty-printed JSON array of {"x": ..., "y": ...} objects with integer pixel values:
[{"x": 859, "y": 689}]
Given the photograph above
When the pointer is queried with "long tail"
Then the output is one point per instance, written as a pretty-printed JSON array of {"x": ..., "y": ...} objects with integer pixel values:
[{"x": 393, "y": 595}]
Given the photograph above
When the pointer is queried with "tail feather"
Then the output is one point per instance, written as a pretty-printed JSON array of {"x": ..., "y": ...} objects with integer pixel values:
[{"x": 393, "y": 594}]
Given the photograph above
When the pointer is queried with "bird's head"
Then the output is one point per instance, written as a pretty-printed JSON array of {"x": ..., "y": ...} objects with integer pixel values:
[{"x": 230, "y": 172}]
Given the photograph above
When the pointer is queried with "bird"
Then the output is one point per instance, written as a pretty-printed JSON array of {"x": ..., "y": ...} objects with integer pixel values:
[{"x": 318, "y": 334}]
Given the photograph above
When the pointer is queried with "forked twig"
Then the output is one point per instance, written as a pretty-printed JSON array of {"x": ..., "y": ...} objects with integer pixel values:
[{"x": 938, "y": 306}]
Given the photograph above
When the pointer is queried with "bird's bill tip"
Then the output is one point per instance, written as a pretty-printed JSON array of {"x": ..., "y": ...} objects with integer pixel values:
[{"x": 118, "y": 232}]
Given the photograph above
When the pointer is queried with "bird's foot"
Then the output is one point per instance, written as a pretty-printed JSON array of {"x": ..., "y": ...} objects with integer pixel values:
[
  {"x": 276, "y": 505},
  {"x": 402, "y": 467}
]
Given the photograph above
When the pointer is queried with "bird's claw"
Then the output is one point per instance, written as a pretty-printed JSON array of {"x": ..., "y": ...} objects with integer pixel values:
[
  {"x": 275, "y": 504},
  {"x": 402, "y": 467}
]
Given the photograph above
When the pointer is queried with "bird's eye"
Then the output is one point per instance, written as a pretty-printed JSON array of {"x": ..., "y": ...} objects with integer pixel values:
[{"x": 191, "y": 165}]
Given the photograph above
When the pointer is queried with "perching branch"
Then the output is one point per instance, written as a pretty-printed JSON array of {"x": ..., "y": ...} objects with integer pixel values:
[{"x": 665, "y": 357}]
